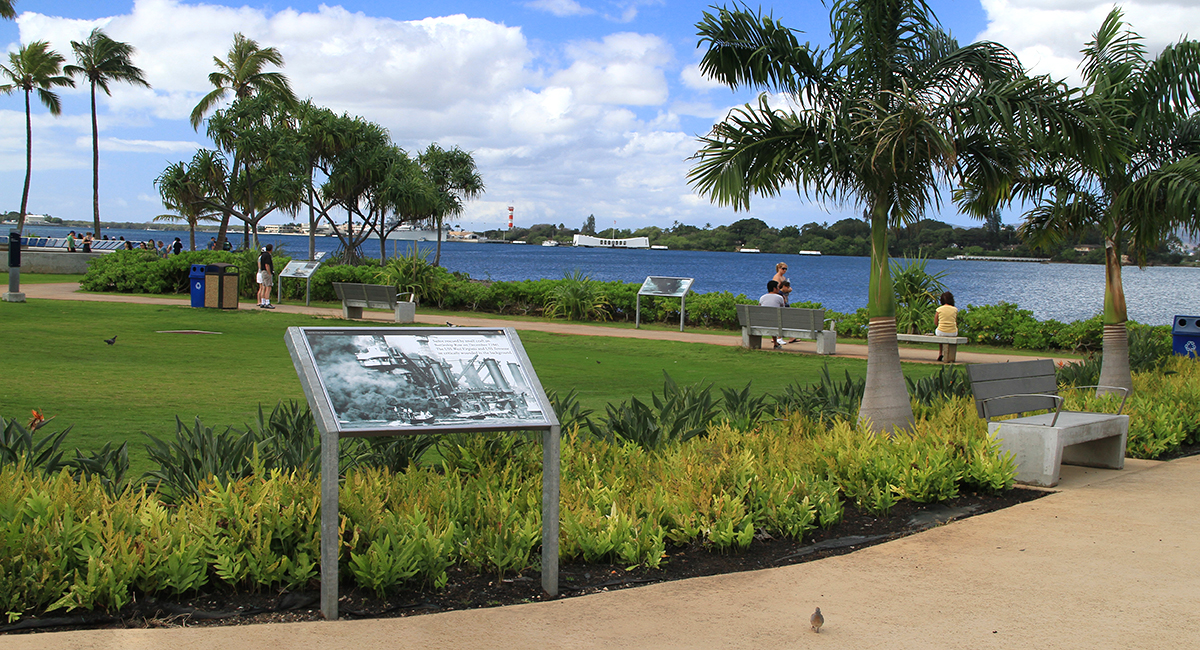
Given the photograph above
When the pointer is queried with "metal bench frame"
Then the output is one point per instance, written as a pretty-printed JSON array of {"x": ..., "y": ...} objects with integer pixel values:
[
  {"x": 1042, "y": 443},
  {"x": 949, "y": 349},
  {"x": 795, "y": 322}
]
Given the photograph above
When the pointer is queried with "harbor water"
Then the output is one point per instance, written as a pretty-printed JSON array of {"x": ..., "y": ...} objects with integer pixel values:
[{"x": 1064, "y": 292}]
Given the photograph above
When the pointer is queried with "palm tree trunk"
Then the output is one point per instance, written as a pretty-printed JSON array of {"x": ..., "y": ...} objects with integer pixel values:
[
  {"x": 1114, "y": 362},
  {"x": 95, "y": 166},
  {"x": 437, "y": 256},
  {"x": 312, "y": 220},
  {"x": 192, "y": 234},
  {"x": 885, "y": 404},
  {"x": 28, "y": 166}
]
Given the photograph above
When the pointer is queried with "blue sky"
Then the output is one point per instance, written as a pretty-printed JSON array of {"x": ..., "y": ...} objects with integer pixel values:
[{"x": 572, "y": 107}]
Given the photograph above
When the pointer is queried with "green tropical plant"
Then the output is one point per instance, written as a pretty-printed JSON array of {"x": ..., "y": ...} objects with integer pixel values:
[
  {"x": 34, "y": 67},
  {"x": 242, "y": 73},
  {"x": 455, "y": 179},
  {"x": 889, "y": 110},
  {"x": 917, "y": 292},
  {"x": 412, "y": 272},
  {"x": 182, "y": 190},
  {"x": 577, "y": 297},
  {"x": 102, "y": 60},
  {"x": 1141, "y": 186}
]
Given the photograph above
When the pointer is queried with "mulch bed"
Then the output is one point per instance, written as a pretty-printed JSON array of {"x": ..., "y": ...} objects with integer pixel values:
[{"x": 468, "y": 589}]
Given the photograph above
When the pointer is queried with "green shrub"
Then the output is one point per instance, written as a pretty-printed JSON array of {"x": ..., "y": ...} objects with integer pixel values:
[{"x": 578, "y": 297}]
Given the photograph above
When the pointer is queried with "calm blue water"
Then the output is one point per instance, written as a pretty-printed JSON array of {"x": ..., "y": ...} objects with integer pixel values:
[{"x": 1065, "y": 292}]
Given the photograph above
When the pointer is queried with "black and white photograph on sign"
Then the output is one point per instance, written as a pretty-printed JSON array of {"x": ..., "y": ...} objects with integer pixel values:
[
  {"x": 393, "y": 379},
  {"x": 299, "y": 268},
  {"x": 656, "y": 286}
]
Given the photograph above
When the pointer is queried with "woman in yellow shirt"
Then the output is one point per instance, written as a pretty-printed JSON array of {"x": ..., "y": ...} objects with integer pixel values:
[{"x": 946, "y": 319}]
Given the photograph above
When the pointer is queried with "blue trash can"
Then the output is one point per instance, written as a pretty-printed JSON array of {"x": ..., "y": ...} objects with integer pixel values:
[
  {"x": 1186, "y": 336},
  {"x": 196, "y": 279}
]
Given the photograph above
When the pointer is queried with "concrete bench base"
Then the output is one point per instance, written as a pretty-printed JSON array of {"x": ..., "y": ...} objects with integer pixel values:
[
  {"x": 949, "y": 344},
  {"x": 1089, "y": 439},
  {"x": 826, "y": 339}
]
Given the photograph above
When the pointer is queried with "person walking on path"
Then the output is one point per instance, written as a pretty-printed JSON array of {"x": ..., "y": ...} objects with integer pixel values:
[
  {"x": 266, "y": 273},
  {"x": 945, "y": 319},
  {"x": 772, "y": 298}
]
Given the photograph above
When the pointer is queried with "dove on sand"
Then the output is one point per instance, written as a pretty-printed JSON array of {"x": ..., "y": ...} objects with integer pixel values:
[{"x": 816, "y": 620}]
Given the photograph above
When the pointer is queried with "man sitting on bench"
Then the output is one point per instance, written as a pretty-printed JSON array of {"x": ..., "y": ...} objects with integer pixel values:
[
  {"x": 946, "y": 319},
  {"x": 772, "y": 298}
]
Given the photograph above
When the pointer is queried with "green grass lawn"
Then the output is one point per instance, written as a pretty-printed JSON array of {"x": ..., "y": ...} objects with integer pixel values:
[
  {"x": 57, "y": 362},
  {"x": 40, "y": 278}
]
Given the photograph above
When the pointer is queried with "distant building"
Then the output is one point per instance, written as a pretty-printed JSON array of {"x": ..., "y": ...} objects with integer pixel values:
[{"x": 465, "y": 236}]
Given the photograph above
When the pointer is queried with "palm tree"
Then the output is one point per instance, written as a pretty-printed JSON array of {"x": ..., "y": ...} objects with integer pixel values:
[
  {"x": 891, "y": 111},
  {"x": 101, "y": 60},
  {"x": 182, "y": 189},
  {"x": 33, "y": 67},
  {"x": 7, "y": 10},
  {"x": 242, "y": 73},
  {"x": 455, "y": 179},
  {"x": 1145, "y": 185}
]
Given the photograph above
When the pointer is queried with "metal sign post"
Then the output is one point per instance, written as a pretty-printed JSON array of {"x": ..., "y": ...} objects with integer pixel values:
[
  {"x": 665, "y": 288},
  {"x": 14, "y": 269},
  {"x": 468, "y": 379}
]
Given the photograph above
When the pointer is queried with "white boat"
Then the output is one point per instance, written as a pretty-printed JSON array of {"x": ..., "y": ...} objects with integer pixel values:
[
  {"x": 588, "y": 241},
  {"x": 520, "y": 241},
  {"x": 550, "y": 242},
  {"x": 809, "y": 253},
  {"x": 408, "y": 232},
  {"x": 658, "y": 247},
  {"x": 749, "y": 250}
]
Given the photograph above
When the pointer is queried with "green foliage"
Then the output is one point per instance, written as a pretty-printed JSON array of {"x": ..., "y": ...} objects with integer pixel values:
[
  {"x": 571, "y": 415},
  {"x": 826, "y": 399},
  {"x": 17, "y": 445},
  {"x": 143, "y": 271},
  {"x": 578, "y": 297},
  {"x": 413, "y": 273},
  {"x": 917, "y": 293},
  {"x": 680, "y": 414},
  {"x": 949, "y": 382}
]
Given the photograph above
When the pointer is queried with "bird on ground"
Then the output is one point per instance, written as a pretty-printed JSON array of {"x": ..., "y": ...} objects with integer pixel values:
[
  {"x": 816, "y": 621},
  {"x": 449, "y": 324},
  {"x": 112, "y": 341}
]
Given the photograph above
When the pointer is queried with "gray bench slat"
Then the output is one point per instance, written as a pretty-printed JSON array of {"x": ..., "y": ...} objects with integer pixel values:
[
  {"x": 994, "y": 371},
  {"x": 1024, "y": 378}
]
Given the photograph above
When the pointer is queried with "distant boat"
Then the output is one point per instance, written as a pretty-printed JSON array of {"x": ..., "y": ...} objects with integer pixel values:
[
  {"x": 749, "y": 250},
  {"x": 588, "y": 241},
  {"x": 658, "y": 247},
  {"x": 809, "y": 253},
  {"x": 520, "y": 241},
  {"x": 409, "y": 233},
  {"x": 550, "y": 242}
]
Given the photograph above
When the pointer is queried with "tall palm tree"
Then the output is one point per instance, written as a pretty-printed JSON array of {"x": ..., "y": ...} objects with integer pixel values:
[
  {"x": 101, "y": 60},
  {"x": 242, "y": 74},
  {"x": 7, "y": 10},
  {"x": 455, "y": 179},
  {"x": 1145, "y": 185},
  {"x": 34, "y": 67},
  {"x": 885, "y": 116}
]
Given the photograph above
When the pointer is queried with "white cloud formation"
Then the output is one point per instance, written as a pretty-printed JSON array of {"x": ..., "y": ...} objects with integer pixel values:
[
  {"x": 560, "y": 8},
  {"x": 1048, "y": 34}
]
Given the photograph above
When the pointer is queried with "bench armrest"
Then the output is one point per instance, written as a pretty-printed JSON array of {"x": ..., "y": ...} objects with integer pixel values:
[
  {"x": 412, "y": 297},
  {"x": 1124, "y": 393},
  {"x": 1058, "y": 401}
]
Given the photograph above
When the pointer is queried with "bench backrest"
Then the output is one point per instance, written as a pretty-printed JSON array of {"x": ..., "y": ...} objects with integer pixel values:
[
  {"x": 797, "y": 318},
  {"x": 1029, "y": 379},
  {"x": 379, "y": 296}
]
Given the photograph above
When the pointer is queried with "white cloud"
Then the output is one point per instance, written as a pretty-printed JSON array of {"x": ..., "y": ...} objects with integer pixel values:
[
  {"x": 145, "y": 146},
  {"x": 560, "y": 8},
  {"x": 1048, "y": 34}
]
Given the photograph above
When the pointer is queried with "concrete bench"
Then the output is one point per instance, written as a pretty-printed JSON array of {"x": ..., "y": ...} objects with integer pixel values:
[
  {"x": 949, "y": 344},
  {"x": 356, "y": 296},
  {"x": 1040, "y": 444},
  {"x": 784, "y": 322}
]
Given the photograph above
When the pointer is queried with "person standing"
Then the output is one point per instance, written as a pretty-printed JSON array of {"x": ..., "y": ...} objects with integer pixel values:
[
  {"x": 266, "y": 274},
  {"x": 946, "y": 320},
  {"x": 71, "y": 242},
  {"x": 176, "y": 247},
  {"x": 87, "y": 242}
]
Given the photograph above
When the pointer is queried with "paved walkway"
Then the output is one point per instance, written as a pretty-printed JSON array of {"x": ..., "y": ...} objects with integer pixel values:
[
  {"x": 1110, "y": 561},
  {"x": 69, "y": 291}
]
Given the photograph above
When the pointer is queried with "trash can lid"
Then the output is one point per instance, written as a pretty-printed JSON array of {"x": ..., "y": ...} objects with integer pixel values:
[{"x": 1186, "y": 325}]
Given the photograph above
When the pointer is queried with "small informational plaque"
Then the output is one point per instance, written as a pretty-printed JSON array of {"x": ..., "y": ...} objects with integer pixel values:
[
  {"x": 301, "y": 268},
  {"x": 387, "y": 381},
  {"x": 668, "y": 287}
]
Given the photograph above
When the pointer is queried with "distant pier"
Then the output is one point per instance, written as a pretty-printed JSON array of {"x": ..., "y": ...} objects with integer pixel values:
[{"x": 989, "y": 258}]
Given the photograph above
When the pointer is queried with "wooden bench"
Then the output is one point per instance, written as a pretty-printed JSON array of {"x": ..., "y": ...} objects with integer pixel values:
[
  {"x": 784, "y": 322},
  {"x": 1041, "y": 443},
  {"x": 949, "y": 344},
  {"x": 356, "y": 296}
]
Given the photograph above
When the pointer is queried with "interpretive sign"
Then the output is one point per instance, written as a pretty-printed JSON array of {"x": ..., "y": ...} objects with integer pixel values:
[
  {"x": 302, "y": 269},
  {"x": 664, "y": 287},
  {"x": 406, "y": 381}
]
